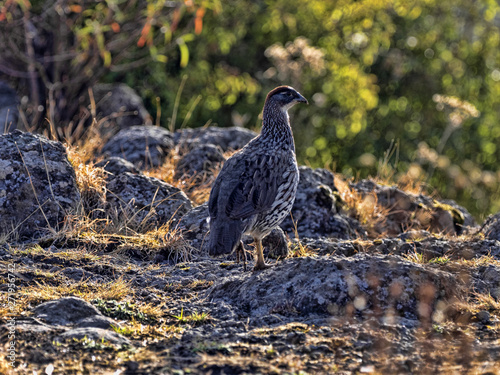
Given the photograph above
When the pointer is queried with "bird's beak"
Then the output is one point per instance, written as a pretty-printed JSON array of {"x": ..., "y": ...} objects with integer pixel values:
[{"x": 301, "y": 99}]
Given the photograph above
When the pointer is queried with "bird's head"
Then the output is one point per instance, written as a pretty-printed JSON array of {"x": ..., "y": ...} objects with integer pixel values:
[{"x": 285, "y": 97}]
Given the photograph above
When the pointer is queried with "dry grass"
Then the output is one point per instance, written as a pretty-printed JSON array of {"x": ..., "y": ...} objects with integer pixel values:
[
  {"x": 91, "y": 181},
  {"x": 166, "y": 171},
  {"x": 198, "y": 187},
  {"x": 5, "y": 367},
  {"x": 484, "y": 260},
  {"x": 100, "y": 235},
  {"x": 364, "y": 208},
  {"x": 139, "y": 331},
  {"x": 85, "y": 289},
  {"x": 296, "y": 247},
  {"x": 166, "y": 239},
  {"x": 415, "y": 257},
  {"x": 38, "y": 292},
  {"x": 92, "y": 226},
  {"x": 487, "y": 302}
]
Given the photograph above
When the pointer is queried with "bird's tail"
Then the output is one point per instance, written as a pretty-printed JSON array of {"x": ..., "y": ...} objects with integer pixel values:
[{"x": 223, "y": 237}]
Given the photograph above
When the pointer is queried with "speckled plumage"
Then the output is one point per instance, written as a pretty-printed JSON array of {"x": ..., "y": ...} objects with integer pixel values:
[{"x": 256, "y": 187}]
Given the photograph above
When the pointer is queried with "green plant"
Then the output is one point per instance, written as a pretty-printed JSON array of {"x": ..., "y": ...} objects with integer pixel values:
[
  {"x": 195, "y": 318},
  {"x": 440, "y": 260},
  {"x": 92, "y": 344},
  {"x": 122, "y": 310},
  {"x": 125, "y": 331}
]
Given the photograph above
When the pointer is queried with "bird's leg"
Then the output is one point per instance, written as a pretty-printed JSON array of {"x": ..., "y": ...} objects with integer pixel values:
[
  {"x": 260, "y": 264},
  {"x": 240, "y": 250}
]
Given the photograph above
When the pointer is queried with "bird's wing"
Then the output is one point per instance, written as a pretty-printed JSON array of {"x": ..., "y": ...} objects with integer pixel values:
[
  {"x": 213, "y": 200},
  {"x": 255, "y": 190}
]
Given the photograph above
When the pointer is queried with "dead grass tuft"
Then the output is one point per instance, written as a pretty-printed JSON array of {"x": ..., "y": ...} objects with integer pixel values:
[
  {"x": 41, "y": 292},
  {"x": 198, "y": 187},
  {"x": 364, "y": 208},
  {"x": 169, "y": 241},
  {"x": 487, "y": 302}
]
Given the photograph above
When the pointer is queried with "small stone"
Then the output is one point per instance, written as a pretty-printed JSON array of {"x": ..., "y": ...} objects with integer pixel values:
[
  {"x": 296, "y": 338},
  {"x": 483, "y": 316}
]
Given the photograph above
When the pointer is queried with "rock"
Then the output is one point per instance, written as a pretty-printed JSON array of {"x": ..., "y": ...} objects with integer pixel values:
[
  {"x": 491, "y": 227},
  {"x": 97, "y": 321},
  {"x": 9, "y": 113},
  {"x": 199, "y": 164},
  {"x": 410, "y": 211},
  {"x": 275, "y": 244},
  {"x": 232, "y": 138},
  {"x": 115, "y": 166},
  {"x": 195, "y": 225},
  {"x": 483, "y": 316},
  {"x": 27, "y": 325},
  {"x": 363, "y": 285},
  {"x": 72, "y": 311},
  {"x": 487, "y": 279},
  {"x": 100, "y": 336},
  {"x": 120, "y": 106},
  {"x": 144, "y": 146},
  {"x": 145, "y": 202},
  {"x": 315, "y": 211},
  {"x": 37, "y": 185}
]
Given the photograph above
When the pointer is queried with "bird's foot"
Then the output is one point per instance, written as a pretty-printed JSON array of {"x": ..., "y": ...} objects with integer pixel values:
[{"x": 261, "y": 266}]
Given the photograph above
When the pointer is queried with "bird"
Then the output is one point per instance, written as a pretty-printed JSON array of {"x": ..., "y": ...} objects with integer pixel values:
[{"x": 255, "y": 189}]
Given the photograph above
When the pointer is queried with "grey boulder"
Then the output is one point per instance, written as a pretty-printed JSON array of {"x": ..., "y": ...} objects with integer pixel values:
[
  {"x": 232, "y": 138},
  {"x": 383, "y": 286},
  {"x": 198, "y": 165},
  {"x": 144, "y": 146},
  {"x": 491, "y": 227},
  {"x": 145, "y": 202},
  {"x": 405, "y": 210},
  {"x": 38, "y": 185},
  {"x": 72, "y": 311}
]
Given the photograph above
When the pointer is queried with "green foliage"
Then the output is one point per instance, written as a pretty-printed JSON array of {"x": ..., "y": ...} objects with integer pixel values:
[
  {"x": 195, "y": 318},
  {"x": 121, "y": 310},
  {"x": 65, "y": 47},
  {"x": 91, "y": 344},
  {"x": 423, "y": 74}
]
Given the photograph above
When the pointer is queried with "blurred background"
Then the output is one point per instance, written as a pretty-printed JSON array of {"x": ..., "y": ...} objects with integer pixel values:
[{"x": 406, "y": 91}]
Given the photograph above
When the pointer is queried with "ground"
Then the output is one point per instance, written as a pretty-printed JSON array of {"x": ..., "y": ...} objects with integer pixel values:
[{"x": 175, "y": 326}]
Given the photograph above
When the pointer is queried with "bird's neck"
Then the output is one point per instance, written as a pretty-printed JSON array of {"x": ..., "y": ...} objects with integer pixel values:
[{"x": 276, "y": 126}]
